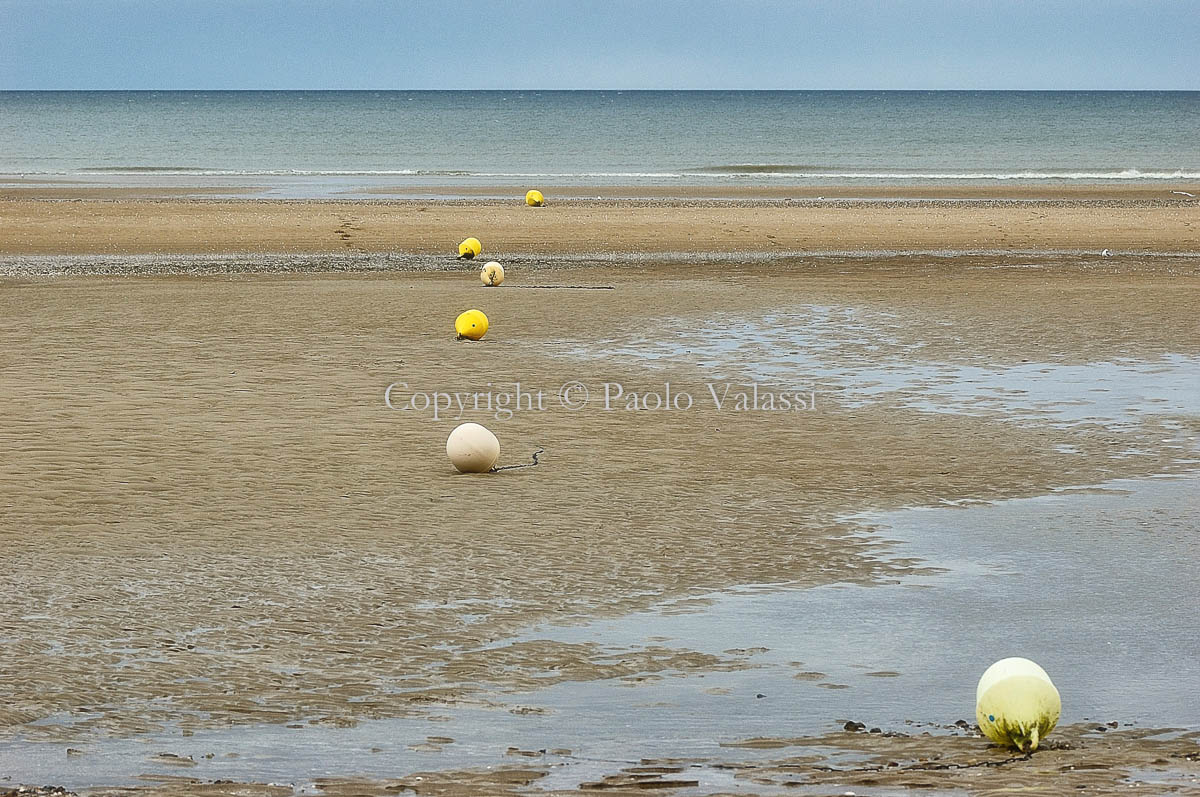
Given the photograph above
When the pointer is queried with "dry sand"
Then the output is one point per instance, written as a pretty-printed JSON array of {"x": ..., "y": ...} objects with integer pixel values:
[
  {"x": 203, "y": 495},
  {"x": 99, "y": 221}
]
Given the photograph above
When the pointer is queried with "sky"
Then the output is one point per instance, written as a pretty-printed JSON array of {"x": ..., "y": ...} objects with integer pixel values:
[{"x": 626, "y": 44}]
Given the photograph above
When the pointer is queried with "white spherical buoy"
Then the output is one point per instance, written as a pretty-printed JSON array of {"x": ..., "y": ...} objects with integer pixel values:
[
  {"x": 492, "y": 274},
  {"x": 1016, "y": 704},
  {"x": 472, "y": 448}
]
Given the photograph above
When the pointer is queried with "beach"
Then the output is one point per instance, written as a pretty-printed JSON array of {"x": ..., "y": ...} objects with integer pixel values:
[
  {"x": 226, "y": 501},
  {"x": 1137, "y": 218}
]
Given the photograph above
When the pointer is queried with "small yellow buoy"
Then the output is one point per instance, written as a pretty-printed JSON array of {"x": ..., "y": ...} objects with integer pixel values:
[
  {"x": 472, "y": 448},
  {"x": 472, "y": 325},
  {"x": 1016, "y": 704},
  {"x": 492, "y": 274},
  {"x": 535, "y": 199},
  {"x": 469, "y": 248}
]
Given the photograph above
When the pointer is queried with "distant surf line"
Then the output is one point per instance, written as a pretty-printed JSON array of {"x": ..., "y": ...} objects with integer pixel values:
[{"x": 731, "y": 172}]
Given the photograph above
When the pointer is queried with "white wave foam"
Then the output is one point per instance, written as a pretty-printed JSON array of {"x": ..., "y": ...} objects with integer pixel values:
[
  {"x": 451, "y": 174},
  {"x": 255, "y": 172},
  {"x": 1124, "y": 174}
]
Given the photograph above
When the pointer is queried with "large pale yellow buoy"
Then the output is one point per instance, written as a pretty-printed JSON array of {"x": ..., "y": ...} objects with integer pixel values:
[
  {"x": 472, "y": 325},
  {"x": 492, "y": 274},
  {"x": 472, "y": 448},
  {"x": 1016, "y": 704},
  {"x": 535, "y": 199},
  {"x": 469, "y": 248}
]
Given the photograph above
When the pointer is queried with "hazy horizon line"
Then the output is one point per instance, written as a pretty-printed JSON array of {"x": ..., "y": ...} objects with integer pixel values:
[{"x": 618, "y": 89}]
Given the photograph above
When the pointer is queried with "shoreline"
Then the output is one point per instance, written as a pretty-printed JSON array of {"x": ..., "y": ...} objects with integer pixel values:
[{"x": 349, "y": 188}]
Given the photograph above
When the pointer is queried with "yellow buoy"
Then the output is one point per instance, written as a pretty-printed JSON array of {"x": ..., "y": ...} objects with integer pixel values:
[
  {"x": 1016, "y": 704},
  {"x": 535, "y": 199},
  {"x": 492, "y": 274},
  {"x": 472, "y": 448},
  {"x": 469, "y": 248},
  {"x": 472, "y": 325}
]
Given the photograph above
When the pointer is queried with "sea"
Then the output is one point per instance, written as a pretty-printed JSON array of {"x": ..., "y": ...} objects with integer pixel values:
[{"x": 320, "y": 143}]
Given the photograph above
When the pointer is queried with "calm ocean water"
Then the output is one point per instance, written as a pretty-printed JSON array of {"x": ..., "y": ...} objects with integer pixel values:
[{"x": 602, "y": 137}]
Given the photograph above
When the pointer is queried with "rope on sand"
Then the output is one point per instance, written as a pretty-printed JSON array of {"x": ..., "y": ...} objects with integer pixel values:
[
  {"x": 533, "y": 464},
  {"x": 568, "y": 287}
]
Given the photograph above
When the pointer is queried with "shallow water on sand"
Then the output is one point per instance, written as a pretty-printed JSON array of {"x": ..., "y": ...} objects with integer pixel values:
[
  {"x": 1096, "y": 584},
  {"x": 857, "y": 358}
]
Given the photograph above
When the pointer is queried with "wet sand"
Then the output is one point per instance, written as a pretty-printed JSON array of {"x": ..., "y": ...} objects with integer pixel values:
[
  {"x": 210, "y": 516},
  {"x": 1086, "y": 758},
  {"x": 967, "y": 191}
]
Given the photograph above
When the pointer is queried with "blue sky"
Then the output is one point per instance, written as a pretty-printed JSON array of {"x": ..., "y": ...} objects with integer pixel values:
[{"x": 404, "y": 44}]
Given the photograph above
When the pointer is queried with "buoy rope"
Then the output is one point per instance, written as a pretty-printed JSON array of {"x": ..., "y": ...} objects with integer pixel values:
[
  {"x": 569, "y": 287},
  {"x": 533, "y": 464}
]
